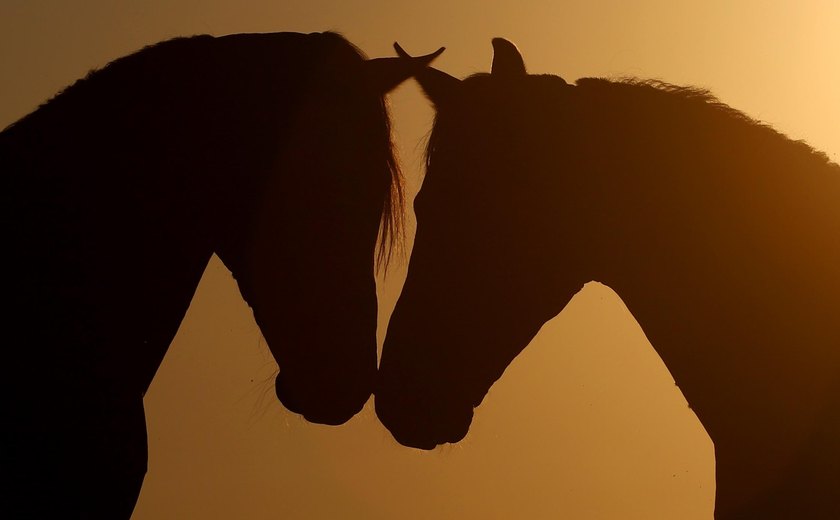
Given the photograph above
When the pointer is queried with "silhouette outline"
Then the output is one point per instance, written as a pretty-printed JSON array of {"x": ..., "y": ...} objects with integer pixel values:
[
  {"x": 272, "y": 151},
  {"x": 719, "y": 233}
]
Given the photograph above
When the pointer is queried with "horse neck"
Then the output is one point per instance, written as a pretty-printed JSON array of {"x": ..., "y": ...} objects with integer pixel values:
[
  {"x": 673, "y": 205},
  {"x": 726, "y": 253}
]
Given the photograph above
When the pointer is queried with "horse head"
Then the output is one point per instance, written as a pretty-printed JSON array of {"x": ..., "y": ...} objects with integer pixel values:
[
  {"x": 303, "y": 250},
  {"x": 468, "y": 307}
]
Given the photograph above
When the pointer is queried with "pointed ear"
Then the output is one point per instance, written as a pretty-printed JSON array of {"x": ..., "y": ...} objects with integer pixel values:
[
  {"x": 386, "y": 73},
  {"x": 438, "y": 86},
  {"x": 507, "y": 61}
]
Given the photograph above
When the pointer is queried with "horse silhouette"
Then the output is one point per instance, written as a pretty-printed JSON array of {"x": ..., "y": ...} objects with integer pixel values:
[
  {"x": 721, "y": 235},
  {"x": 272, "y": 151}
]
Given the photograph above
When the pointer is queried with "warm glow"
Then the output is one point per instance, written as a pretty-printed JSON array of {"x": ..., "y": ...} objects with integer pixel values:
[{"x": 587, "y": 423}]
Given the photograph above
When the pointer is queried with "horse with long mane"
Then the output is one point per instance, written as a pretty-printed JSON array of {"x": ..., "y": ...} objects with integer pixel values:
[
  {"x": 272, "y": 151},
  {"x": 721, "y": 235}
]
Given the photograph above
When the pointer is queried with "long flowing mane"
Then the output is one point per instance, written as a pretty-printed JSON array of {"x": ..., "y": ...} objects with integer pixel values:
[{"x": 392, "y": 226}]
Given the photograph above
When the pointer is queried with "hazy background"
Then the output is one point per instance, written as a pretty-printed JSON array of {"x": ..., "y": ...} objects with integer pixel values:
[{"x": 587, "y": 423}]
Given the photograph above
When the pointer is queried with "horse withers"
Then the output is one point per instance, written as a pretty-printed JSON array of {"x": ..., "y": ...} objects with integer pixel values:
[
  {"x": 720, "y": 234},
  {"x": 272, "y": 151}
]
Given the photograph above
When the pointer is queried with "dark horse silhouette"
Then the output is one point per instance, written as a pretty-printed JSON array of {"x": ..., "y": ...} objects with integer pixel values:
[
  {"x": 721, "y": 235},
  {"x": 272, "y": 151}
]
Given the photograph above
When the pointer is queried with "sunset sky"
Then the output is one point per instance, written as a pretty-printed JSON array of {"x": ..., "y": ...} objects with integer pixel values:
[{"x": 587, "y": 423}]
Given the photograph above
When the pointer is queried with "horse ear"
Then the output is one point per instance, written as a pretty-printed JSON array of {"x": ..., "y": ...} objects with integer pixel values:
[
  {"x": 507, "y": 61},
  {"x": 386, "y": 73},
  {"x": 438, "y": 86}
]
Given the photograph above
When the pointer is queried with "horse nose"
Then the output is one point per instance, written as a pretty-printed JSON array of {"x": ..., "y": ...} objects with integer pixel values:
[
  {"x": 329, "y": 400},
  {"x": 416, "y": 421}
]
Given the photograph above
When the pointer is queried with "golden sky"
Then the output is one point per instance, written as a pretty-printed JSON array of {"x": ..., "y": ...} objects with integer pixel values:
[{"x": 587, "y": 423}]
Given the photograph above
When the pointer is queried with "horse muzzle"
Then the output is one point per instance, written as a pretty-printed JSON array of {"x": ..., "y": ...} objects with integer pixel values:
[
  {"x": 327, "y": 400},
  {"x": 418, "y": 420}
]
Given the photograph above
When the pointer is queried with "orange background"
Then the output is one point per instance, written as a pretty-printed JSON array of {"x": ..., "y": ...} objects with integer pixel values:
[{"x": 587, "y": 423}]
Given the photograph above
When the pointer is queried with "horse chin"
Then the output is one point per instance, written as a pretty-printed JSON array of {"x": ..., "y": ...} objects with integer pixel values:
[
  {"x": 424, "y": 426},
  {"x": 322, "y": 404}
]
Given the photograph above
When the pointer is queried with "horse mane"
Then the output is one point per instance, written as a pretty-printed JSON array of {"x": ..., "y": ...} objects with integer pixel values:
[
  {"x": 101, "y": 83},
  {"x": 98, "y": 81},
  {"x": 392, "y": 221},
  {"x": 548, "y": 96},
  {"x": 652, "y": 92}
]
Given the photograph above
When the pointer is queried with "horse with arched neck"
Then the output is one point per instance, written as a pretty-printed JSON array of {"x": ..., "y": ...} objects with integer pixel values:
[
  {"x": 272, "y": 151},
  {"x": 721, "y": 235}
]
